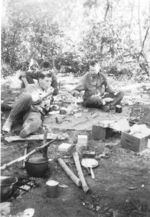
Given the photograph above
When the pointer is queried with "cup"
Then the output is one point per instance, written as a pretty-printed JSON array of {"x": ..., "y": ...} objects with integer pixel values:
[
  {"x": 118, "y": 108},
  {"x": 52, "y": 188}
]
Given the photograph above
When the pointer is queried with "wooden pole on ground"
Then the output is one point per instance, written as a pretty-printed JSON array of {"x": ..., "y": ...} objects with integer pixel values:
[
  {"x": 80, "y": 173},
  {"x": 74, "y": 178},
  {"x": 34, "y": 137}
]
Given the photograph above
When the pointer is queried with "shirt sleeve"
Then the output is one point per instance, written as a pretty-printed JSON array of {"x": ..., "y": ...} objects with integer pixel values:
[
  {"x": 54, "y": 84},
  {"x": 82, "y": 83},
  {"x": 108, "y": 88},
  {"x": 31, "y": 88},
  {"x": 33, "y": 75}
]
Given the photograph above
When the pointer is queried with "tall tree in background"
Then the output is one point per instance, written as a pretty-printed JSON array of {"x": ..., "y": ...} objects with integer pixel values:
[{"x": 114, "y": 32}]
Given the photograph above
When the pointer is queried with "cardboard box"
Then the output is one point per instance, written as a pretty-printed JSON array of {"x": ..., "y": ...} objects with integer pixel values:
[
  {"x": 82, "y": 143},
  {"x": 121, "y": 125},
  {"x": 106, "y": 123},
  {"x": 101, "y": 133},
  {"x": 134, "y": 143},
  {"x": 65, "y": 147},
  {"x": 106, "y": 128}
]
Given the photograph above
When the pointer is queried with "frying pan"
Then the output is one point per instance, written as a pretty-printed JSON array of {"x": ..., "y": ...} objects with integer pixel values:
[{"x": 90, "y": 163}]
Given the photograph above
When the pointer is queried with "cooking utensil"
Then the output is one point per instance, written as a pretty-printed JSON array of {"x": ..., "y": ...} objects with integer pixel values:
[
  {"x": 44, "y": 150},
  {"x": 118, "y": 108},
  {"x": 37, "y": 166},
  {"x": 7, "y": 186},
  {"x": 52, "y": 188},
  {"x": 90, "y": 163},
  {"x": 25, "y": 153}
]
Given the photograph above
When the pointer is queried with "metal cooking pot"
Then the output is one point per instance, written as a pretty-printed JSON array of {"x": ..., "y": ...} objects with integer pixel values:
[
  {"x": 37, "y": 166},
  {"x": 7, "y": 186}
]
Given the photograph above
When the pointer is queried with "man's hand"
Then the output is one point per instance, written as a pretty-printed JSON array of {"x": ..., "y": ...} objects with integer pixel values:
[
  {"x": 40, "y": 96},
  {"x": 50, "y": 90},
  {"x": 99, "y": 99},
  {"x": 115, "y": 93}
]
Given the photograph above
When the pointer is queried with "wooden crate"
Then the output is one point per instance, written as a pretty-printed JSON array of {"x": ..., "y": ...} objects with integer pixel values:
[
  {"x": 133, "y": 143},
  {"x": 101, "y": 133}
]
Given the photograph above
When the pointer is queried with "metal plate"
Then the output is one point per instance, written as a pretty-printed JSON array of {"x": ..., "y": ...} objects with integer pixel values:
[{"x": 89, "y": 162}]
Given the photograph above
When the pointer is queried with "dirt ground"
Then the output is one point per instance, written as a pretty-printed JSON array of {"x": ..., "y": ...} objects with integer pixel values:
[{"x": 121, "y": 187}]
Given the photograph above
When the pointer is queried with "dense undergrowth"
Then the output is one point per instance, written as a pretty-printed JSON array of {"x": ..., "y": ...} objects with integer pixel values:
[{"x": 69, "y": 34}]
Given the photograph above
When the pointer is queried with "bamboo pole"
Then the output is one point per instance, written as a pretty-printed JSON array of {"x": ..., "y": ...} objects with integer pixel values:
[
  {"x": 34, "y": 137},
  {"x": 44, "y": 151},
  {"x": 25, "y": 153},
  {"x": 69, "y": 172},
  {"x": 26, "y": 156},
  {"x": 80, "y": 173}
]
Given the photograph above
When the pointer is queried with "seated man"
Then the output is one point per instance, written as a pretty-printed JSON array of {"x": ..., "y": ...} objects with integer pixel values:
[
  {"x": 96, "y": 88},
  {"x": 32, "y": 105},
  {"x": 27, "y": 77}
]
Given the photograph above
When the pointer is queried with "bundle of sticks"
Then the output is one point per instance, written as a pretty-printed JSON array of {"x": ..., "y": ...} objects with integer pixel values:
[{"x": 78, "y": 181}]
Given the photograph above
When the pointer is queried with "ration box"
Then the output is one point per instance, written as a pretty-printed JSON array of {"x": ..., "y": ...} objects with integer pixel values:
[{"x": 137, "y": 142}]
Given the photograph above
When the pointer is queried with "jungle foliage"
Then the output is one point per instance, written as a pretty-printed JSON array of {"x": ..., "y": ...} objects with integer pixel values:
[{"x": 70, "y": 33}]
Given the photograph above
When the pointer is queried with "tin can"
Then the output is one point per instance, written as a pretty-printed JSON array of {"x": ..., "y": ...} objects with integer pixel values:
[
  {"x": 118, "y": 108},
  {"x": 52, "y": 188}
]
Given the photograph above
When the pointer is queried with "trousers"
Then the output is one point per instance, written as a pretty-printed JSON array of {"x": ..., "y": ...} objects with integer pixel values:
[
  {"x": 22, "y": 111},
  {"x": 95, "y": 102}
]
